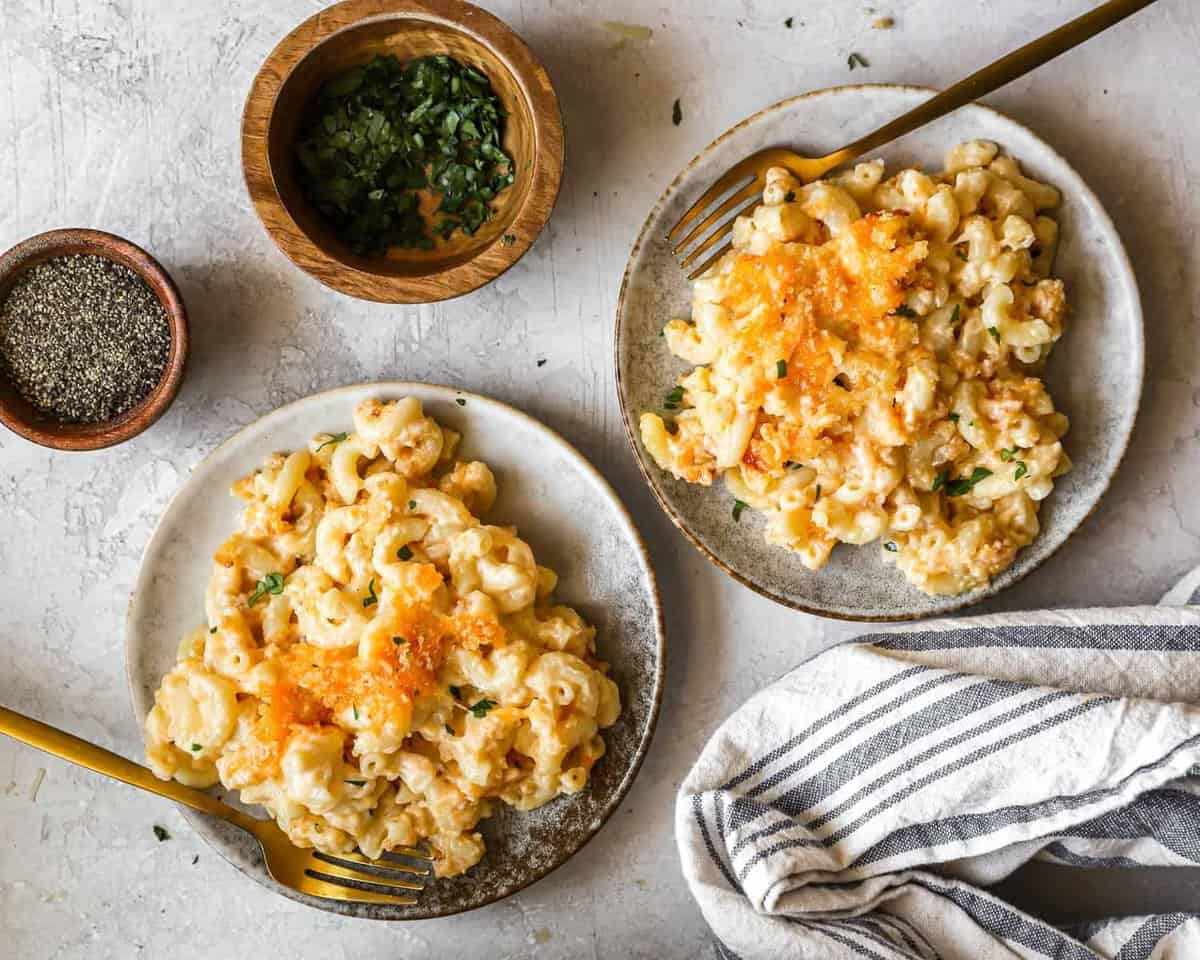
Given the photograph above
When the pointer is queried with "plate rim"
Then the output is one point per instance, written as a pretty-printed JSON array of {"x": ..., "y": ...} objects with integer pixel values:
[
  {"x": 195, "y": 819},
  {"x": 963, "y": 600}
]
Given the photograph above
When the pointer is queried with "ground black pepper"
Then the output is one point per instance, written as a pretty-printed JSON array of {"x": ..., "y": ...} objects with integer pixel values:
[{"x": 82, "y": 338}]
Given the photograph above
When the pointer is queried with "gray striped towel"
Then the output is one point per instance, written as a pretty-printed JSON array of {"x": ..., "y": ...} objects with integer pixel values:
[{"x": 855, "y": 808}]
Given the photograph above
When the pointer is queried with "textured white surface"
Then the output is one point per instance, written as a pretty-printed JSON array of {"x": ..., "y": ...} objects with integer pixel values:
[{"x": 124, "y": 115}]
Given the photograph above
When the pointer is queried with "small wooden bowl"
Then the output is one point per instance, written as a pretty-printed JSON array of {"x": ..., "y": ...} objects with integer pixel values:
[
  {"x": 20, "y": 416},
  {"x": 351, "y": 33}
]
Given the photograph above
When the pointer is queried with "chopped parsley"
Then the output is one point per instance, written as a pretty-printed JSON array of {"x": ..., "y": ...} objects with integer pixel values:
[
  {"x": 1020, "y": 471},
  {"x": 455, "y": 692},
  {"x": 673, "y": 399},
  {"x": 956, "y": 488},
  {"x": 995, "y": 333},
  {"x": 954, "y": 316},
  {"x": 336, "y": 438},
  {"x": 354, "y": 707},
  {"x": 940, "y": 480},
  {"x": 904, "y": 310},
  {"x": 380, "y": 133},
  {"x": 356, "y": 783},
  {"x": 161, "y": 833},
  {"x": 676, "y": 113},
  {"x": 399, "y": 641},
  {"x": 789, "y": 196},
  {"x": 818, "y": 496},
  {"x": 890, "y": 546},
  {"x": 481, "y": 708},
  {"x": 738, "y": 507},
  {"x": 405, "y": 553},
  {"x": 370, "y": 599},
  {"x": 412, "y": 504},
  {"x": 196, "y": 748},
  {"x": 954, "y": 417},
  {"x": 508, "y": 239},
  {"x": 460, "y": 401},
  {"x": 780, "y": 369},
  {"x": 272, "y": 583},
  {"x": 212, "y": 630},
  {"x": 791, "y": 465},
  {"x": 1006, "y": 454},
  {"x": 449, "y": 729},
  {"x": 857, "y": 59}
]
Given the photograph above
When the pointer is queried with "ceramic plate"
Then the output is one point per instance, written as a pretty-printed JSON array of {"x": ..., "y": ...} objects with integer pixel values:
[
  {"x": 1094, "y": 375},
  {"x": 575, "y": 525}
]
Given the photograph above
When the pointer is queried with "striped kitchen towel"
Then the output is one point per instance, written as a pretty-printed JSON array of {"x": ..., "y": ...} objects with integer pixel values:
[{"x": 855, "y": 808}]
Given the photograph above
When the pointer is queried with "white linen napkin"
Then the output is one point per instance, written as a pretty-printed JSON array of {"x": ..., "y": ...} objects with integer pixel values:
[{"x": 854, "y": 807}]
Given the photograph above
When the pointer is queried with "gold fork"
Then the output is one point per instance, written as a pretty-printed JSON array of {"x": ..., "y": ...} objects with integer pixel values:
[
  {"x": 746, "y": 179},
  {"x": 349, "y": 877}
]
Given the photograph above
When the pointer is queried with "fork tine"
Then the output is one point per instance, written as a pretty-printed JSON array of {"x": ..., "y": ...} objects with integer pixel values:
[
  {"x": 751, "y": 189},
  {"x": 710, "y": 261},
  {"x": 396, "y": 865},
  {"x": 735, "y": 176},
  {"x": 716, "y": 237},
  {"x": 332, "y": 873},
  {"x": 316, "y": 887}
]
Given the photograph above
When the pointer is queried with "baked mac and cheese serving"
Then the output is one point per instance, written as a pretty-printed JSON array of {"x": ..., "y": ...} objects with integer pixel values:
[
  {"x": 866, "y": 364},
  {"x": 380, "y": 667}
]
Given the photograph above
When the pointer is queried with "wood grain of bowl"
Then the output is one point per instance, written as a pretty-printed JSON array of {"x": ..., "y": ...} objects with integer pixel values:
[
  {"x": 352, "y": 33},
  {"x": 23, "y": 418}
]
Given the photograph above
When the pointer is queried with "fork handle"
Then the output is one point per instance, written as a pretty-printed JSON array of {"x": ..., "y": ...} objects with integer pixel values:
[
  {"x": 981, "y": 83},
  {"x": 71, "y": 748}
]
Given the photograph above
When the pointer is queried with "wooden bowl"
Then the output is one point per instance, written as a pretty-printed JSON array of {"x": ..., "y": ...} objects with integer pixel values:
[
  {"x": 351, "y": 33},
  {"x": 20, "y": 416}
]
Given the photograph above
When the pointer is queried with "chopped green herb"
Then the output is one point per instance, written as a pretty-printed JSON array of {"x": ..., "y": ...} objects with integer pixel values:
[
  {"x": 890, "y": 546},
  {"x": 399, "y": 641},
  {"x": 904, "y": 310},
  {"x": 857, "y": 59},
  {"x": 1020, "y": 471},
  {"x": 380, "y": 133},
  {"x": 780, "y": 369},
  {"x": 818, "y": 496},
  {"x": 336, "y": 438},
  {"x": 212, "y": 630},
  {"x": 995, "y": 333},
  {"x": 161, "y": 833},
  {"x": 354, "y": 707},
  {"x": 481, "y": 708},
  {"x": 370, "y": 599},
  {"x": 460, "y": 401},
  {"x": 449, "y": 729},
  {"x": 357, "y": 783},
  {"x": 962, "y": 254},
  {"x": 1006, "y": 454},
  {"x": 940, "y": 480},
  {"x": 272, "y": 583},
  {"x": 789, "y": 196},
  {"x": 841, "y": 381},
  {"x": 196, "y": 748},
  {"x": 508, "y": 239},
  {"x": 673, "y": 399},
  {"x": 956, "y": 488},
  {"x": 412, "y": 504},
  {"x": 954, "y": 417},
  {"x": 676, "y": 113},
  {"x": 455, "y": 692},
  {"x": 954, "y": 316},
  {"x": 405, "y": 553},
  {"x": 788, "y": 22},
  {"x": 738, "y": 507},
  {"x": 791, "y": 465}
]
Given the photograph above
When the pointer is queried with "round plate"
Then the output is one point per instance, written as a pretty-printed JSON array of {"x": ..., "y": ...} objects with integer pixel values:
[
  {"x": 576, "y": 526},
  {"x": 1094, "y": 375}
]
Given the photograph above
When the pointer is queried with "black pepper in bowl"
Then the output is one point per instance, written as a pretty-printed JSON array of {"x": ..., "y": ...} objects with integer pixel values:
[{"x": 83, "y": 339}]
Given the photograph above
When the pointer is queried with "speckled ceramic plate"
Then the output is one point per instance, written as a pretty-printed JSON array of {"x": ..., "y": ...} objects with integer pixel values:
[
  {"x": 562, "y": 507},
  {"x": 1094, "y": 375}
]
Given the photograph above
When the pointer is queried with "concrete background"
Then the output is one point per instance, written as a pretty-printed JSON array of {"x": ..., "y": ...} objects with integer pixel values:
[{"x": 124, "y": 115}]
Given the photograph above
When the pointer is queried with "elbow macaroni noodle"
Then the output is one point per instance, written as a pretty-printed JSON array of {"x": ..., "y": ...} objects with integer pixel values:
[
  {"x": 379, "y": 666},
  {"x": 867, "y": 363}
]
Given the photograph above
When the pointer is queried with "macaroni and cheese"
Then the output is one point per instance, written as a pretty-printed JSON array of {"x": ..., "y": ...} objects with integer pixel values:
[
  {"x": 866, "y": 364},
  {"x": 379, "y": 666}
]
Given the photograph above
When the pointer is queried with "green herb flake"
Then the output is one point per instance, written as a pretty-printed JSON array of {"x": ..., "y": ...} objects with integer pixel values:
[
  {"x": 818, "y": 495},
  {"x": 956, "y": 488},
  {"x": 792, "y": 465},
  {"x": 890, "y": 546},
  {"x": 904, "y": 310},
  {"x": 161, "y": 833},
  {"x": 738, "y": 507},
  {"x": 412, "y": 504},
  {"x": 196, "y": 748},
  {"x": 481, "y": 708},
  {"x": 995, "y": 333},
  {"x": 789, "y": 197},
  {"x": 356, "y": 783},
  {"x": 460, "y": 401},
  {"x": 857, "y": 60},
  {"x": 455, "y": 692},
  {"x": 336, "y": 438},
  {"x": 370, "y": 599},
  {"x": 1006, "y": 454},
  {"x": 940, "y": 480},
  {"x": 449, "y": 729},
  {"x": 405, "y": 553},
  {"x": 212, "y": 630},
  {"x": 780, "y": 369},
  {"x": 1021, "y": 470},
  {"x": 676, "y": 113},
  {"x": 272, "y": 583},
  {"x": 380, "y": 134},
  {"x": 399, "y": 641},
  {"x": 354, "y": 707},
  {"x": 954, "y": 316},
  {"x": 508, "y": 239},
  {"x": 955, "y": 417},
  {"x": 673, "y": 399}
]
